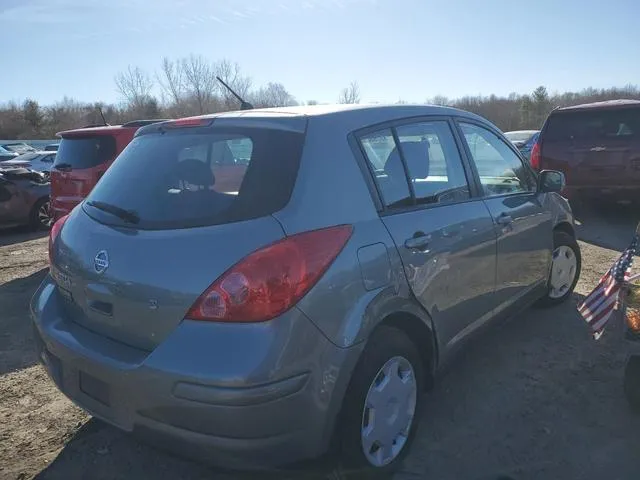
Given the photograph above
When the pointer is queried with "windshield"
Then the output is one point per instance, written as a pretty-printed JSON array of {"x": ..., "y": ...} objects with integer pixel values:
[
  {"x": 85, "y": 152},
  {"x": 519, "y": 136},
  {"x": 181, "y": 179}
]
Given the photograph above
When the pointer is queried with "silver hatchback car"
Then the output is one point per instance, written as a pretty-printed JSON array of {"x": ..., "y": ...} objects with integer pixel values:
[{"x": 260, "y": 287}]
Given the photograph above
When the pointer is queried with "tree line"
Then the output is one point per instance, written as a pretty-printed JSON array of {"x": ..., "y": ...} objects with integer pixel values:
[{"x": 189, "y": 86}]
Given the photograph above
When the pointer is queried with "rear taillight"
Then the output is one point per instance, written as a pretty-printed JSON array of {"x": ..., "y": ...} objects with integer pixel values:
[
  {"x": 53, "y": 234},
  {"x": 188, "y": 122},
  {"x": 535, "y": 156},
  {"x": 270, "y": 281}
]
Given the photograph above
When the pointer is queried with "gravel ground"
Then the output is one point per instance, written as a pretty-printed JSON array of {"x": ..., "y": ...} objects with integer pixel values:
[{"x": 535, "y": 398}]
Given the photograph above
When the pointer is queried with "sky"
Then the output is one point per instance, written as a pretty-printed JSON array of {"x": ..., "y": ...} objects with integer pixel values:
[{"x": 409, "y": 50}]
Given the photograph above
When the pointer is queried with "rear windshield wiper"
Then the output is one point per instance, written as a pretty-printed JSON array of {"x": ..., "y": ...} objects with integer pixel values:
[
  {"x": 63, "y": 166},
  {"x": 128, "y": 216}
]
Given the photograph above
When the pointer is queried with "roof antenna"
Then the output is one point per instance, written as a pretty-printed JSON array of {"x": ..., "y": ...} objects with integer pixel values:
[
  {"x": 243, "y": 105},
  {"x": 104, "y": 121}
]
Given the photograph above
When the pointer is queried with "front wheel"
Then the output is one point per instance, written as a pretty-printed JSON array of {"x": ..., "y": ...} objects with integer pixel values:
[
  {"x": 382, "y": 405},
  {"x": 566, "y": 263}
]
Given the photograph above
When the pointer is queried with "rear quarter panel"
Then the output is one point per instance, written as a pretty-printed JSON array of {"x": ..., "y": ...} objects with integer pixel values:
[{"x": 366, "y": 282}]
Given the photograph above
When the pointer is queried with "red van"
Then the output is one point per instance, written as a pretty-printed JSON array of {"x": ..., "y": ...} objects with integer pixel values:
[{"x": 83, "y": 156}]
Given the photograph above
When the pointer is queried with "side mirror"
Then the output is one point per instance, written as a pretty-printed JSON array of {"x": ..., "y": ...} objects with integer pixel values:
[{"x": 550, "y": 181}]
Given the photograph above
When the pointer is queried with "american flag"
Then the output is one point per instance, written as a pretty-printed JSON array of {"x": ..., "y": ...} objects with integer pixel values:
[{"x": 597, "y": 308}]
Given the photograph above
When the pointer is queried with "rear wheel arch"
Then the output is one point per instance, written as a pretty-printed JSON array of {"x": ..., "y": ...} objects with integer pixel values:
[
  {"x": 565, "y": 227},
  {"x": 419, "y": 332},
  {"x": 422, "y": 337}
]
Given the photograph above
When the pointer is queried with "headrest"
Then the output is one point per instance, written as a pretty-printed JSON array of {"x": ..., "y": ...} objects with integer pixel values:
[
  {"x": 416, "y": 155},
  {"x": 195, "y": 172}
]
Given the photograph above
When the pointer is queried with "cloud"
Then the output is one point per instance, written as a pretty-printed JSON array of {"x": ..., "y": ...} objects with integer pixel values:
[{"x": 143, "y": 15}]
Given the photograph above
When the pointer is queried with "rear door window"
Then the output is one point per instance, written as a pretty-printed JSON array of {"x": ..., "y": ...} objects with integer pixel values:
[
  {"x": 393, "y": 187},
  {"x": 182, "y": 178},
  {"x": 426, "y": 153},
  {"x": 86, "y": 152},
  {"x": 434, "y": 163}
]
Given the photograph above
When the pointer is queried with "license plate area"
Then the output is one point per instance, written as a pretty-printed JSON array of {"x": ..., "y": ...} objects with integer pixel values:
[
  {"x": 94, "y": 388},
  {"x": 63, "y": 283}
]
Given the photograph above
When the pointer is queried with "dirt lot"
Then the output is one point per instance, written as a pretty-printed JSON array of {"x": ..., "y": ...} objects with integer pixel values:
[{"x": 535, "y": 398}]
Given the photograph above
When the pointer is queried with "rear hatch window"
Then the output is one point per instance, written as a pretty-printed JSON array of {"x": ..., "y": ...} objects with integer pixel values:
[
  {"x": 590, "y": 125},
  {"x": 85, "y": 152},
  {"x": 198, "y": 177}
]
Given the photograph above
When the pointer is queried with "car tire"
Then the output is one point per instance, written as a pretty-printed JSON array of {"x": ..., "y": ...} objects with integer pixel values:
[
  {"x": 560, "y": 286},
  {"x": 632, "y": 382},
  {"x": 389, "y": 350},
  {"x": 36, "y": 217}
]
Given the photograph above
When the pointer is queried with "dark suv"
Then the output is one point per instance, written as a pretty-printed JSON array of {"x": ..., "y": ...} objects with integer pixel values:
[{"x": 597, "y": 146}]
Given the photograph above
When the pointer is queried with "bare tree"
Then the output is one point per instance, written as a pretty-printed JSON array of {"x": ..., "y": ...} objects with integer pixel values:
[
  {"x": 440, "y": 100},
  {"x": 273, "y": 95},
  {"x": 200, "y": 82},
  {"x": 171, "y": 81},
  {"x": 350, "y": 94},
  {"x": 134, "y": 85}
]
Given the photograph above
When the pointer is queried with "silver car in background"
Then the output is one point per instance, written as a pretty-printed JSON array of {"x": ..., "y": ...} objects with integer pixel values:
[
  {"x": 40, "y": 161},
  {"x": 524, "y": 140},
  {"x": 302, "y": 297},
  {"x": 24, "y": 198}
]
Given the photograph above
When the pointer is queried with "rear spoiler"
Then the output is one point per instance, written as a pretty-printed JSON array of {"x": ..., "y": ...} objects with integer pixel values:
[{"x": 143, "y": 123}]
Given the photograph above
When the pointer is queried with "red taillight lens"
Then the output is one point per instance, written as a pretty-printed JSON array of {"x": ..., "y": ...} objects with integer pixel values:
[
  {"x": 535, "y": 156},
  {"x": 53, "y": 234},
  {"x": 271, "y": 280}
]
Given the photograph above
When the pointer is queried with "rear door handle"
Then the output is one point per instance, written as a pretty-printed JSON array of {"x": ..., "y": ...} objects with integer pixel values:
[
  {"x": 419, "y": 241},
  {"x": 504, "y": 219}
]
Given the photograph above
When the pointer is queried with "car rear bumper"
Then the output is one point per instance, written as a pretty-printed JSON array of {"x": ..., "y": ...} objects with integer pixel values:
[{"x": 267, "y": 404}]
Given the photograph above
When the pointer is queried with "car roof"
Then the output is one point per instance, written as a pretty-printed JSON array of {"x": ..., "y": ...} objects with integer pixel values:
[
  {"x": 352, "y": 110},
  {"x": 351, "y": 117},
  {"x": 102, "y": 130},
  {"x": 622, "y": 103}
]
